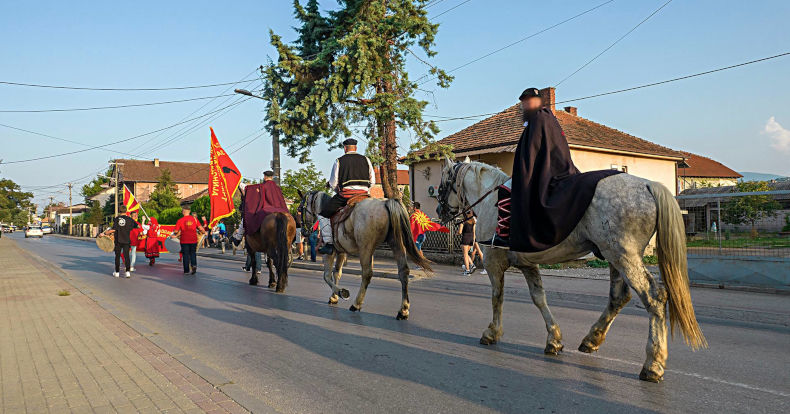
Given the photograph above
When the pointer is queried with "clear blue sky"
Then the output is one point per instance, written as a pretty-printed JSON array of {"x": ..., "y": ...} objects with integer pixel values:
[{"x": 726, "y": 116}]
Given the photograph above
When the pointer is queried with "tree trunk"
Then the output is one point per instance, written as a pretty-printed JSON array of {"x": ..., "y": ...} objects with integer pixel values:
[{"x": 388, "y": 146}]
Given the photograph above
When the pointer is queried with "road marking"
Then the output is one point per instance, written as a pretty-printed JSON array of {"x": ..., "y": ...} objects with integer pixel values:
[{"x": 688, "y": 374}]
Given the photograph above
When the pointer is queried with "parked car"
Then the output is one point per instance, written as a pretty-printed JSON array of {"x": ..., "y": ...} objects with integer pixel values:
[
  {"x": 46, "y": 229},
  {"x": 5, "y": 228},
  {"x": 34, "y": 231}
]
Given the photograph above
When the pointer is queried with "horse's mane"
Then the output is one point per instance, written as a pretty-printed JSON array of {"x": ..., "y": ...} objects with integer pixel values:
[{"x": 478, "y": 167}]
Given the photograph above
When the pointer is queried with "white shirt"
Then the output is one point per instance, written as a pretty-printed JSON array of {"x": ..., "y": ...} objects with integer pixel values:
[{"x": 333, "y": 177}]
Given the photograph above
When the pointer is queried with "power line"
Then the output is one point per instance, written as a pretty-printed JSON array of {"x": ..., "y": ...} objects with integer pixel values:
[
  {"x": 450, "y": 9},
  {"x": 113, "y": 106},
  {"x": 60, "y": 139},
  {"x": 647, "y": 85},
  {"x": 613, "y": 44},
  {"x": 33, "y": 85},
  {"x": 513, "y": 43},
  {"x": 118, "y": 141}
]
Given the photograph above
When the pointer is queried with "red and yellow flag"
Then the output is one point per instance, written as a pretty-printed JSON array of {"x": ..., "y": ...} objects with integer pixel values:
[
  {"x": 420, "y": 223},
  {"x": 129, "y": 201},
  {"x": 224, "y": 178}
]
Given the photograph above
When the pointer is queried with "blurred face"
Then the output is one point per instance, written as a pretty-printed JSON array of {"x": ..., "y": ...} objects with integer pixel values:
[
  {"x": 185, "y": 211},
  {"x": 531, "y": 104},
  {"x": 350, "y": 148}
]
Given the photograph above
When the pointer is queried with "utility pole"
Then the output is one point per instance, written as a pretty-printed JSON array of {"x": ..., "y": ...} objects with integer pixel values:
[
  {"x": 115, "y": 175},
  {"x": 49, "y": 211},
  {"x": 275, "y": 165},
  {"x": 71, "y": 217}
]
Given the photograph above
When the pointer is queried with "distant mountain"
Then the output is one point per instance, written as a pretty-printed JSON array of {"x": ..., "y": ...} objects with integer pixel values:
[{"x": 755, "y": 176}]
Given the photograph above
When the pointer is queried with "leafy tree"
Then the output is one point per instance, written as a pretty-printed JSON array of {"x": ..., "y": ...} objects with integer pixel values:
[
  {"x": 14, "y": 202},
  {"x": 202, "y": 206},
  {"x": 170, "y": 215},
  {"x": 305, "y": 179},
  {"x": 95, "y": 215},
  {"x": 787, "y": 223},
  {"x": 164, "y": 196},
  {"x": 348, "y": 68},
  {"x": 406, "y": 197},
  {"x": 95, "y": 186},
  {"x": 750, "y": 209}
]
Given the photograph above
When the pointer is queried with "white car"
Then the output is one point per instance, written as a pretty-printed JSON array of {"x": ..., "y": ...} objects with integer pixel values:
[
  {"x": 46, "y": 229},
  {"x": 34, "y": 231}
]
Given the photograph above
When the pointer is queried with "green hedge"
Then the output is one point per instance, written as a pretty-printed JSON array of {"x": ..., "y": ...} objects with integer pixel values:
[{"x": 170, "y": 215}]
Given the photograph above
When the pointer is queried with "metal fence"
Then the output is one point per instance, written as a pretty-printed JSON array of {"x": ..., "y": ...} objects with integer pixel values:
[{"x": 737, "y": 224}]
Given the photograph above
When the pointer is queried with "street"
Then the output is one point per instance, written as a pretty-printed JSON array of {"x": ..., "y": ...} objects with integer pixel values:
[{"x": 294, "y": 353}]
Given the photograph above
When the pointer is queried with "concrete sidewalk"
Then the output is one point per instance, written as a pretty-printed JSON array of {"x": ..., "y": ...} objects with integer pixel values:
[{"x": 61, "y": 352}]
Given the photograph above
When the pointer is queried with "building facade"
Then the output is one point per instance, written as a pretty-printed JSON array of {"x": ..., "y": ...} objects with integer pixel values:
[
  {"x": 141, "y": 176},
  {"x": 701, "y": 172},
  {"x": 593, "y": 147}
]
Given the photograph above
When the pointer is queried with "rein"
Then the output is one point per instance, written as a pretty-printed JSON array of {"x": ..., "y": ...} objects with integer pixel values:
[{"x": 459, "y": 171}]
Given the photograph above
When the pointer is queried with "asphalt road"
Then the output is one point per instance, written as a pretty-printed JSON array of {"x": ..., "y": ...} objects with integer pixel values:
[{"x": 294, "y": 353}]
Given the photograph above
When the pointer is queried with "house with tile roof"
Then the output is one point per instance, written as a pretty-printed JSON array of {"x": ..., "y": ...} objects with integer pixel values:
[
  {"x": 594, "y": 146},
  {"x": 378, "y": 192},
  {"x": 141, "y": 176},
  {"x": 700, "y": 172}
]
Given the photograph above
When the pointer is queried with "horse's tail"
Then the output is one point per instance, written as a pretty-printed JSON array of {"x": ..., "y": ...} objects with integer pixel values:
[
  {"x": 282, "y": 247},
  {"x": 673, "y": 265},
  {"x": 400, "y": 230}
]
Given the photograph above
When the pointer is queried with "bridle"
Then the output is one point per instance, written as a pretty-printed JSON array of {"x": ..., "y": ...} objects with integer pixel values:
[
  {"x": 455, "y": 180},
  {"x": 307, "y": 204}
]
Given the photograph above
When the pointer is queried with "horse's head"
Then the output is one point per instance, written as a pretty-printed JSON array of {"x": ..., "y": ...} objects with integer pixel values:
[
  {"x": 451, "y": 202},
  {"x": 309, "y": 208}
]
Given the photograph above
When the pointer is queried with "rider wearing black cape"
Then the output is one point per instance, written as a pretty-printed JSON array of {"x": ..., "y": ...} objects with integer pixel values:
[{"x": 549, "y": 194}]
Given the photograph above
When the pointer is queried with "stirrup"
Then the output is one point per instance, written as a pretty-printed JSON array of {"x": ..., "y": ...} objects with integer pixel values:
[{"x": 326, "y": 249}]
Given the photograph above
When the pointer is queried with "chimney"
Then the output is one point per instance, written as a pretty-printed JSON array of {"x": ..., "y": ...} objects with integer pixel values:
[
  {"x": 547, "y": 96},
  {"x": 571, "y": 110},
  {"x": 156, "y": 162}
]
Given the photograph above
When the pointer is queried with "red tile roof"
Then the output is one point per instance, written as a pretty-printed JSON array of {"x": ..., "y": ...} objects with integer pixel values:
[
  {"x": 700, "y": 166},
  {"x": 505, "y": 128},
  {"x": 144, "y": 171}
]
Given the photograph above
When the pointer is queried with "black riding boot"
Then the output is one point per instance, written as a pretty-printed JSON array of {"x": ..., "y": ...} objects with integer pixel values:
[{"x": 502, "y": 235}]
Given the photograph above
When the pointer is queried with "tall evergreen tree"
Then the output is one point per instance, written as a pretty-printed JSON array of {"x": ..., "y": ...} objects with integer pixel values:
[
  {"x": 348, "y": 68},
  {"x": 164, "y": 196}
]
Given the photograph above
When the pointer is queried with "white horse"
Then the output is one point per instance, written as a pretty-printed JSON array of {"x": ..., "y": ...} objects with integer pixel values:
[
  {"x": 372, "y": 222},
  {"x": 621, "y": 219}
]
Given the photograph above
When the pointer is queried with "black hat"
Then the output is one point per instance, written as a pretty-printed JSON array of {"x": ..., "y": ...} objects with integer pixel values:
[
  {"x": 529, "y": 93},
  {"x": 350, "y": 141},
  {"x": 268, "y": 173}
]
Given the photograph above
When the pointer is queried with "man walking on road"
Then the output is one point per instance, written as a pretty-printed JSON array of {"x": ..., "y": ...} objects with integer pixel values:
[
  {"x": 122, "y": 226},
  {"x": 186, "y": 230}
]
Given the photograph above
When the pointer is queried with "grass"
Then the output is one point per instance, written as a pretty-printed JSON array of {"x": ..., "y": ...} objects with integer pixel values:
[
  {"x": 551, "y": 266},
  {"x": 742, "y": 242},
  {"x": 597, "y": 263},
  {"x": 64, "y": 292}
]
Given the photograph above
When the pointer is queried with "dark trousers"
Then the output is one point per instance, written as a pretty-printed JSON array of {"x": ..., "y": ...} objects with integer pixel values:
[
  {"x": 333, "y": 205},
  {"x": 122, "y": 249},
  {"x": 258, "y": 261},
  {"x": 189, "y": 251}
]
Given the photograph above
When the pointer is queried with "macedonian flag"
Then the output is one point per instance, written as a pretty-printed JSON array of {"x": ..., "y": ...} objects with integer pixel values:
[
  {"x": 129, "y": 201},
  {"x": 224, "y": 178},
  {"x": 420, "y": 223}
]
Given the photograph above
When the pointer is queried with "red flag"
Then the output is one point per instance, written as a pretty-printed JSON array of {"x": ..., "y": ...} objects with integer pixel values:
[
  {"x": 420, "y": 223},
  {"x": 224, "y": 178},
  {"x": 129, "y": 201}
]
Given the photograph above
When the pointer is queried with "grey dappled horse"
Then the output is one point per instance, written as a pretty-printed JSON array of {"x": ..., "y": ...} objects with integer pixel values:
[
  {"x": 622, "y": 217},
  {"x": 372, "y": 222}
]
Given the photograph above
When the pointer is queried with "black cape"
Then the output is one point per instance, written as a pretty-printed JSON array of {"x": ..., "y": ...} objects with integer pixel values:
[{"x": 549, "y": 194}]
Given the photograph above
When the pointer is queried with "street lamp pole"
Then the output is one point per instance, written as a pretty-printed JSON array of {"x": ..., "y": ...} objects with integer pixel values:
[{"x": 275, "y": 140}]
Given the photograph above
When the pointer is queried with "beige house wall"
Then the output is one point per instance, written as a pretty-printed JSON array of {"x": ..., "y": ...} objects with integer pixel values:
[
  {"x": 142, "y": 191},
  {"x": 428, "y": 173},
  {"x": 701, "y": 182}
]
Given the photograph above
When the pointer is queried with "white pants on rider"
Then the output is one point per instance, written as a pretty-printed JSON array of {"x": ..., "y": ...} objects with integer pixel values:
[{"x": 325, "y": 228}]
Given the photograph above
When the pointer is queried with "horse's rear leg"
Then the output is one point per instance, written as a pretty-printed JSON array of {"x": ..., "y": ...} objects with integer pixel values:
[
  {"x": 618, "y": 298},
  {"x": 496, "y": 263},
  {"x": 403, "y": 276},
  {"x": 654, "y": 297},
  {"x": 554, "y": 339},
  {"x": 366, "y": 261},
  {"x": 272, "y": 282}
]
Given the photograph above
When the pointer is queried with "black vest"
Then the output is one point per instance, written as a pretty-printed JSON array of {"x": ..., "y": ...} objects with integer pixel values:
[{"x": 353, "y": 170}]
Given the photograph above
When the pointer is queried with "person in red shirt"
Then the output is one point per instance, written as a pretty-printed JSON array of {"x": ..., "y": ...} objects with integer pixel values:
[
  {"x": 135, "y": 238},
  {"x": 186, "y": 231}
]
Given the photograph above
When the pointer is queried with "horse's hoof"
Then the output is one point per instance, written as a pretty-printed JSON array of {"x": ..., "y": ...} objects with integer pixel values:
[
  {"x": 587, "y": 349},
  {"x": 333, "y": 301},
  {"x": 280, "y": 290},
  {"x": 650, "y": 376},
  {"x": 354, "y": 308},
  {"x": 553, "y": 349},
  {"x": 401, "y": 317},
  {"x": 272, "y": 285},
  {"x": 344, "y": 293},
  {"x": 487, "y": 341},
  {"x": 254, "y": 282}
]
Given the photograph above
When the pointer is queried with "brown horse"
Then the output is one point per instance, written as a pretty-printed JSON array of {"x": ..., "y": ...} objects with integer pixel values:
[{"x": 274, "y": 238}]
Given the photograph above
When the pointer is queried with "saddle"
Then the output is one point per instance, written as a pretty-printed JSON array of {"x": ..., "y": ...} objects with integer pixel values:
[{"x": 343, "y": 214}]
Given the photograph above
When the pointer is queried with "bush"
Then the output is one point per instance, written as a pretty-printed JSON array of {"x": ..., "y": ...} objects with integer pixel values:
[
  {"x": 598, "y": 263},
  {"x": 170, "y": 215},
  {"x": 650, "y": 259},
  {"x": 787, "y": 223}
]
